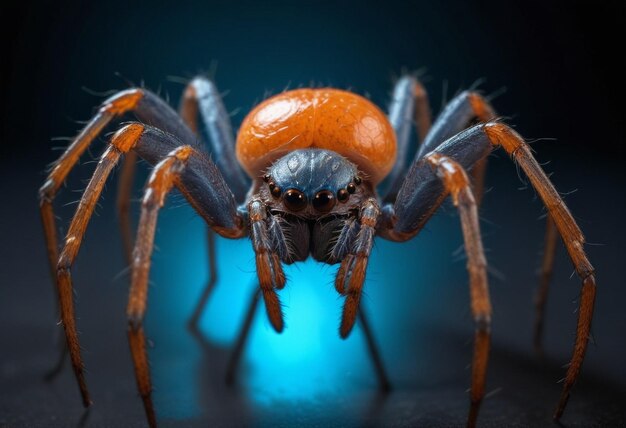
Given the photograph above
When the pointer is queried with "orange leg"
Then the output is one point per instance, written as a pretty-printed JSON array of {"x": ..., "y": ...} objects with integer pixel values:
[
  {"x": 457, "y": 184},
  {"x": 121, "y": 143},
  {"x": 160, "y": 183},
  {"x": 112, "y": 108},
  {"x": 501, "y": 135}
]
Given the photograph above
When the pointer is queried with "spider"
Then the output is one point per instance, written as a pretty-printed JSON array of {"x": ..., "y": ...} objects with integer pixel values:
[{"x": 313, "y": 172}]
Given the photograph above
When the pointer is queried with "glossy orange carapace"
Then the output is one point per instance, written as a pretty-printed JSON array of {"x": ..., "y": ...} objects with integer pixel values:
[{"x": 326, "y": 118}]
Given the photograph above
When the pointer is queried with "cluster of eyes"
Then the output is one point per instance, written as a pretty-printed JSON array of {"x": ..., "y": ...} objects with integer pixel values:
[{"x": 323, "y": 201}]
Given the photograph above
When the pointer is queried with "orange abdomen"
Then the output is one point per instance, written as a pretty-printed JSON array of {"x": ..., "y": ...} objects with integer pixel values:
[{"x": 328, "y": 119}]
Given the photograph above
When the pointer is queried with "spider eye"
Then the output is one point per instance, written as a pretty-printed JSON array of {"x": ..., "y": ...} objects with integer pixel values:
[
  {"x": 294, "y": 200},
  {"x": 343, "y": 195},
  {"x": 324, "y": 201},
  {"x": 274, "y": 189}
]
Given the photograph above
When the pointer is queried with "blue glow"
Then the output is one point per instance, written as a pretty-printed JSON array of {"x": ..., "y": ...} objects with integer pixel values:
[{"x": 308, "y": 360}]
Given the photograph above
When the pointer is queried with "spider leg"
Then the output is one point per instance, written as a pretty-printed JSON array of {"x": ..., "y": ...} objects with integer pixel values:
[
  {"x": 409, "y": 104},
  {"x": 351, "y": 273},
  {"x": 465, "y": 110},
  {"x": 202, "y": 96},
  {"x": 159, "y": 185},
  {"x": 268, "y": 265},
  {"x": 147, "y": 107},
  {"x": 457, "y": 184},
  {"x": 420, "y": 196},
  {"x": 179, "y": 168},
  {"x": 121, "y": 142},
  {"x": 152, "y": 145},
  {"x": 443, "y": 176},
  {"x": 501, "y": 135}
]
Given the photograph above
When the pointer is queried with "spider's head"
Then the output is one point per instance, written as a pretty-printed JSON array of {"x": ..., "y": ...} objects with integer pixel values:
[{"x": 313, "y": 183}]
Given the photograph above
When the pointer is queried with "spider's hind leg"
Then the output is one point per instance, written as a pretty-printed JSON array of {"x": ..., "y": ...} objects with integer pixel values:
[{"x": 429, "y": 182}]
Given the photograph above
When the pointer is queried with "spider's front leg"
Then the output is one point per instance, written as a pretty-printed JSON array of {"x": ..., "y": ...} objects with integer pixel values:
[
  {"x": 203, "y": 186},
  {"x": 429, "y": 182},
  {"x": 148, "y": 108}
]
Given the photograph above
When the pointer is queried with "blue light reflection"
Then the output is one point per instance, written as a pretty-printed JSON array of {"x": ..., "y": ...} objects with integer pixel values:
[{"x": 308, "y": 360}]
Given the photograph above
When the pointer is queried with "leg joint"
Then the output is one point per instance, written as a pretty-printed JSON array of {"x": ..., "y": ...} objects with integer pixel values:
[
  {"x": 135, "y": 322},
  {"x": 126, "y": 138},
  {"x": 64, "y": 264},
  {"x": 47, "y": 191},
  {"x": 483, "y": 323},
  {"x": 123, "y": 101},
  {"x": 503, "y": 135}
]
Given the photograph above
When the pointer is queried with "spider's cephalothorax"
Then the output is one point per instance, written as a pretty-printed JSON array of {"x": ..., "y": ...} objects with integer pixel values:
[
  {"x": 313, "y": 183},
  {"x": 316, "y": 159},
  {"x": 314, "y": 193}
]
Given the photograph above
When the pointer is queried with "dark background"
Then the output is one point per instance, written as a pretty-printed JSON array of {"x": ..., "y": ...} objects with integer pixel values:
[{"x": 557, "y": 62}]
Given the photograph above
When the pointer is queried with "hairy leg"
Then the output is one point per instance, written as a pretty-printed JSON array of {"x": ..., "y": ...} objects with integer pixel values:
[
  {"x": 201, "y": 98},
  {"x": 147, "y": 107},
  {"x": 457, "y": 184},
  {"x": 121, "y": 143},
  {"x": 430, "y": 180},
  {"x": 152, "y": 145},
  {"x": 465, "y": 110},
  {"x": 420, "y": 196},
  {"x": 171, "y": 171},
  {"x": 503, "y": 136},
  {"x": 159, "y": 185}
]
